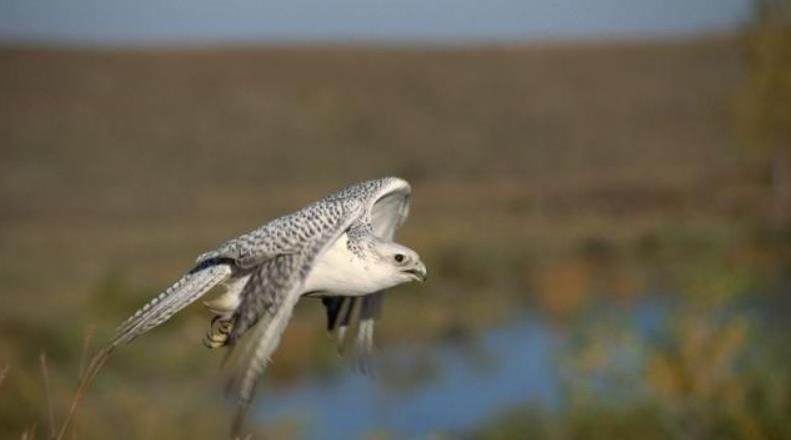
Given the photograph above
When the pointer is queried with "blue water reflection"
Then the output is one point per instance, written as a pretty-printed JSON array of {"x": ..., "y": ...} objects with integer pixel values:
[{"x": 462, "y": 384}]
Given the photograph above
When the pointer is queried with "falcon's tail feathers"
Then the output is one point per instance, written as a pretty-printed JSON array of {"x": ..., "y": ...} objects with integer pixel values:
[
  {"x": 351, "y": 321},
  {"x": 189, "y": 288}
]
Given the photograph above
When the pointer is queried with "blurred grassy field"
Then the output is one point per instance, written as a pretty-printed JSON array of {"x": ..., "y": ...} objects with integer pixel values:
[
  {"x": 139, "y": 159},
  {"x": 118, "y": 167}
]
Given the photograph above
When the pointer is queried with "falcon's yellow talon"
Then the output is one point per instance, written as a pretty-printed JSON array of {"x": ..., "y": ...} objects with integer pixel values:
[{"x": 218, "y": 334}]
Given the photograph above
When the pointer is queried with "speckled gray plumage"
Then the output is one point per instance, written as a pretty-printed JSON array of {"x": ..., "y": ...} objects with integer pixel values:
[
  {"x": 278, "y": 256},
  {"x": 289, "y": 233},
  {"x": 272, "y": 279},
  {"x": 183, "y": 292}
]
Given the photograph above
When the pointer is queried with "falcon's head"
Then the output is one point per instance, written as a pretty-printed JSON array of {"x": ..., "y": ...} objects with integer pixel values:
[{"x": 399, "y": 263}]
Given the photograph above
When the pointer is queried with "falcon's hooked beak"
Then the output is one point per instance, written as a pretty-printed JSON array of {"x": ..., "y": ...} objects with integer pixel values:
[{"x": 419, "y": 272}]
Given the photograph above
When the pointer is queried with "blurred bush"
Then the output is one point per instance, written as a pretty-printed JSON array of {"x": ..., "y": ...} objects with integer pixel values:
[{"x": 766, "y": 98}]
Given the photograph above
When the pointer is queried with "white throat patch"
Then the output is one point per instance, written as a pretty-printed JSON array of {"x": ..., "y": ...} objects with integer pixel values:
[{"x": 338, "y": 271}]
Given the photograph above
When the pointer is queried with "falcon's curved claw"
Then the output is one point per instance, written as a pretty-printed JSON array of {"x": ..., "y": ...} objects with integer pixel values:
[{"x": 218, "y": 334}]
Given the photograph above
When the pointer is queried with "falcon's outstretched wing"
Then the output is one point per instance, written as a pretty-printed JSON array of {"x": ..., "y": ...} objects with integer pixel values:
[
  {"x": 276, "y": 284},
  {"x": 386, "y": 208},
  {"x": 183, "y": 292}
]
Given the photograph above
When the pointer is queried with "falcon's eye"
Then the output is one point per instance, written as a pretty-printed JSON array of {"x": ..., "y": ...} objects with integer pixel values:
[{"x": 399, "y": 257}]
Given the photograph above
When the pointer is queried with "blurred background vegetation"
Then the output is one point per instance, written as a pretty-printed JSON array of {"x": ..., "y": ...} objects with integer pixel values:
[{"x": 628, "y": 202}]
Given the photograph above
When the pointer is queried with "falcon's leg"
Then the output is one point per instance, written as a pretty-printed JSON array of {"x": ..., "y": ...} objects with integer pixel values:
[
  {"x": 223, "y": 307},
  {"x": 226, "y": 303}
]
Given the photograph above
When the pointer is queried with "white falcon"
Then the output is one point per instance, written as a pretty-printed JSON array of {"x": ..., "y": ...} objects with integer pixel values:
[{"x": 339, "y": 248}]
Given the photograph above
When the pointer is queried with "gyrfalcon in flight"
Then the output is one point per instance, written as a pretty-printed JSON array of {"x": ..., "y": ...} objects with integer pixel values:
[{"x": 339, "y": 249}]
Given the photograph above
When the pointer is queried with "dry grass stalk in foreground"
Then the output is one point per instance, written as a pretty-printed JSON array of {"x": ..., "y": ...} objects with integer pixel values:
[
  {"x": 45, "y": 374},
  {"x": 86, "y": 345},
  {"x": 85, "y": 380}
]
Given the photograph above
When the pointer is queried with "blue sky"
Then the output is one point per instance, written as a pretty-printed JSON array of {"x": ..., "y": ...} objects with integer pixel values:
[{"x": 151, "y": 21}]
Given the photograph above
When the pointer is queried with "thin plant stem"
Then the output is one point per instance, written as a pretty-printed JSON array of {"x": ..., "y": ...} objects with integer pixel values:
[
  {"x": 93, "y": 368},
  {"x": 86, "y": 344},
  {"x": 45, "y": 373}
]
